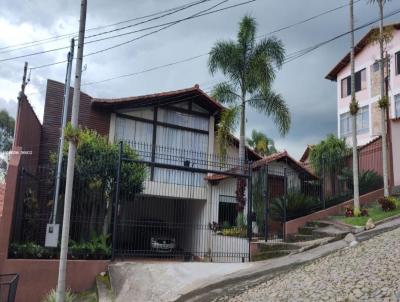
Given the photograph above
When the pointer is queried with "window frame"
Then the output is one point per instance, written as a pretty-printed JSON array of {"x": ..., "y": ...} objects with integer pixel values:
[
  {"x": 397, "y": 62},
  {"x": 360, "y": 84}
]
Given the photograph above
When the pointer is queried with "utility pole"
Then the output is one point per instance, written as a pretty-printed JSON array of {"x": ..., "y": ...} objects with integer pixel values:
[
  {"x": 52, "y": 236},
  {"x": 20, "y": 97},
  {"x": 71, "y": 159},
  {"x": 383, "y": 105},
  {"x": 353, "y": 111}
]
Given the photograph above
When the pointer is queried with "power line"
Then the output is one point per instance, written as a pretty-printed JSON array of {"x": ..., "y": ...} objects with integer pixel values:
[
  {"x": 169, "y": 24},
  {"x": 261, "y": 36},
  {"x": 291, "y": 57},
  {"x": 63, "y": 36}
]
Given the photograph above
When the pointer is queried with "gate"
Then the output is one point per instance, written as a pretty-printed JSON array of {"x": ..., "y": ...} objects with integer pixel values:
[
  {"x": 184, "y": 205},
  {"x": 269, "y": 202}
]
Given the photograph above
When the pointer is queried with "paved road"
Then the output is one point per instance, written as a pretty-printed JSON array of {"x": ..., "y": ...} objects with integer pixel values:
[{"x": 370, "y": 271}]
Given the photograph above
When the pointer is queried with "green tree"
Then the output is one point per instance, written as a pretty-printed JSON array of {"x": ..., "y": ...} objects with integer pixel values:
[
  {"x": 7, "y": 124},
  {"x": 328, "y": 157},
  {"x": 95, "y": 176},
  {"x": 261, "y": 143},
  {"x": 250, "y": 68}
]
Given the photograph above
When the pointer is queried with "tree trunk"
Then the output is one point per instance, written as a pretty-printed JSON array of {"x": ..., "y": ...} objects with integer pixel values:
[
  {"x": 354, "y": 117},
  {"x": 383, "y": 109}
]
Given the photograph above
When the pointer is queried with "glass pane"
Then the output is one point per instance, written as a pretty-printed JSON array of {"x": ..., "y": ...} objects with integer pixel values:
[{"x": 183, "y": 119}]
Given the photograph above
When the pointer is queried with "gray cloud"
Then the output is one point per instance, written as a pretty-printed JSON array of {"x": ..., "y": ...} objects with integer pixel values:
[{"x": 311, "y": 98}]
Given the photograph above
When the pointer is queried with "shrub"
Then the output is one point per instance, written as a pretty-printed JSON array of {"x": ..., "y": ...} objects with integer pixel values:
[
  {"x": 297, "y": 205},
  {"x": 387, "y": 203},
  {"x": 349, "y": 211},
  {"x": 51, "y": 296},
  {"x": 368, "y": 180},
  {"x": 235, "y": 232}
]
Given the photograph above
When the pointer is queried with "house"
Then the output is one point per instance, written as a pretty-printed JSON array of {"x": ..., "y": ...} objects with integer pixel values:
[
  {"x": 174, "y": 135},
  {"x": 367, "y": 78}
]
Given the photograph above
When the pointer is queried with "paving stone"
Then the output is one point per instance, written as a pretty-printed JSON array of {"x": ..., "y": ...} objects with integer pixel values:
[{"x": 365, "y": 272}]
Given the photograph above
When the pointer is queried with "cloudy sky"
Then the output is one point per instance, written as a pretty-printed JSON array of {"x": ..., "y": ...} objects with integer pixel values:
[{"x": 310, "y": 97}]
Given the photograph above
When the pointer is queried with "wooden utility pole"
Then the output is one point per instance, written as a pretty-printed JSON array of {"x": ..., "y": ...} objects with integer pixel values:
[
  {"x": 71, "y": 159},
  {"x": 21, "y": 96}
]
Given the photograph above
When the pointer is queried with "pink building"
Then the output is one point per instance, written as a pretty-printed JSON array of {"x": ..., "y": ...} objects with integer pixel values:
[{"x": 368, "y": 93}]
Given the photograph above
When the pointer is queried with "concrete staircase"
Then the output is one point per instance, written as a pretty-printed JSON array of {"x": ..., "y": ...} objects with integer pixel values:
[{"x": 319, "y": 229}]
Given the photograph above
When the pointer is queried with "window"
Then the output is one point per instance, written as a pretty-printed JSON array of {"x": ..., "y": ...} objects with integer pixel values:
[
  {"x": 227, "y": 211},
  {"x": 360, "y": 83},
  {"x": 397, "y": 62},
  {"x": 397, "y": 105},
  {"x": 362, "y": 122},
  {"x": 375, "y": 67}
]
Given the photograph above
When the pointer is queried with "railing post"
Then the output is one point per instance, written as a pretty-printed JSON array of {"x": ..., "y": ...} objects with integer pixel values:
[
  {"x": 323, "y": 182},
  {"x": 116, "y": 201},
  {"x": 284, "y": 202},
  {"x": 266, "y": 207},
  {"x": 250, "y": 206}
]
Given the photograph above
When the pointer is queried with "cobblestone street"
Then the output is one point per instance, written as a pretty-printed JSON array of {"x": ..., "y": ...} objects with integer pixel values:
[{"x": 370, "y": 271}]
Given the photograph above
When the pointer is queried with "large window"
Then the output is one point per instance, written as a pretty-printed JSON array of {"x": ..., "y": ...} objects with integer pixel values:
[
  {"x": 362, "y": 122},
  {"x": 360, "y": 83},
  {"x": 227, "y": 211},
  {"x": 397, "y": 105},
  {"x": 397, "y": 62}
]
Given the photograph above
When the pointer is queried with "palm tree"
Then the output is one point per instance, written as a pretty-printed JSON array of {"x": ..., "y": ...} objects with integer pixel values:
[
  {"x": 250, "y": 68},
  {"x": 353, "y": 111},
  {"x": 261, "y": 143},
  {"x": 384, "y": 102}
]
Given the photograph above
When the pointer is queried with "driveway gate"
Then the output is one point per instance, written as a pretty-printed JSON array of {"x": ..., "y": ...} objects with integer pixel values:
[{"x": 190, "y": 205}]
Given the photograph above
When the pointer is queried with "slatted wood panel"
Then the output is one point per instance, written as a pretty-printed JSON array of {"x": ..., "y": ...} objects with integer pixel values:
[{"x": 88, "y": 117}]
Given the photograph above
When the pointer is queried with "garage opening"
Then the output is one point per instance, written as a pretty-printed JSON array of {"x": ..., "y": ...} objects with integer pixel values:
[{"x": 161, "y": 227}]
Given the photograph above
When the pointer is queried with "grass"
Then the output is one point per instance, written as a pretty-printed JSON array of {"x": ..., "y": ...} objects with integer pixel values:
[{"x": 374, "y": 211}]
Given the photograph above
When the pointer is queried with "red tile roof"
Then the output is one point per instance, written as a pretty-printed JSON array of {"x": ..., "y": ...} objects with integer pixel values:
[
  {"x": 169, "y": 97},
  {"x": 332, "y": 75},
  {"x": 266, "y": 160}
]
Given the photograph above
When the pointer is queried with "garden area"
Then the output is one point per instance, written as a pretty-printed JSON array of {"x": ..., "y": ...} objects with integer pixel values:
[{"x": 377, "y": 211}]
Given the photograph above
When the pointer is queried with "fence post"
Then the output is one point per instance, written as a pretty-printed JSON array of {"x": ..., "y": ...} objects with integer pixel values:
[
  {"x": 116, "y": 201},
  {"x": 323, "y": 182},
  {"x": 284, "y": 202},
  {"x": 249, "y": 207},
  {"x": 266, "y": 207}
]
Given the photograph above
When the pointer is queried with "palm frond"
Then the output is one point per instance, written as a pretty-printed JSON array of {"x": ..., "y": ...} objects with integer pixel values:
[
  {"x": 247, "y": 32},
  {"x": 272, "y": 104},
  {"x": 224, "y": 93},
  {"x": 226, "y": 126},
  {"x": 225, "y": 56}
]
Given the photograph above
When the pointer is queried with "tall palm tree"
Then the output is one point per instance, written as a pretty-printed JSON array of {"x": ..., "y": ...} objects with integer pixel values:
[
  {"x": 262, "y": 144},
  {"x": 353, "y": 111},
  {"x": 250, "y": 68},
  {"x": 384, "y": 102}
]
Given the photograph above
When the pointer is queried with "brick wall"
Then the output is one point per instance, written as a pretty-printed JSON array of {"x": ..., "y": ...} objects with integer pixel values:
[
  {"x": 2, "y": 191},
  {"x": 28, "y": 135}
]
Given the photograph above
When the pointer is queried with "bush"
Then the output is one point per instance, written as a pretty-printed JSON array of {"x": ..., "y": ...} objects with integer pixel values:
[
  {"x": 387, "y": 203},
  {"x": 349, "y": 212},
  {"x": 96, "y": 248},
  {"x": 51, "y": 296},
  {"x": 368, "y": 180},
  {"x": 235, "y": 232},
  {"x": 297, "y": 205}
]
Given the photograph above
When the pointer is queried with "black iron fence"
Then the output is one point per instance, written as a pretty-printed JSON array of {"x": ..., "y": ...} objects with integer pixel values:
[
  {"x": 140, "y": 200},
  {"x": 132, "y": 203},
  {"x": 8, "y": 287},
  {"x": 285, "y": 190}
]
